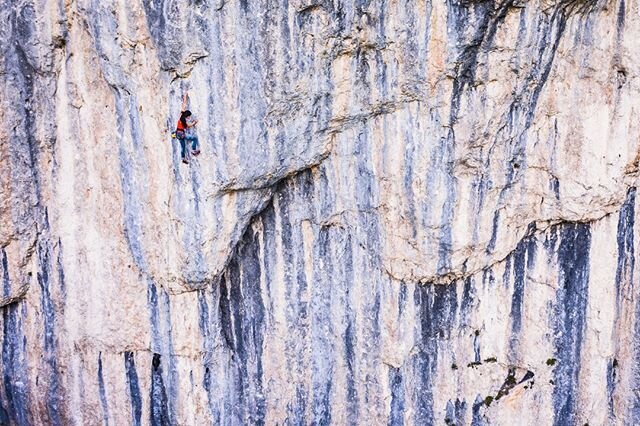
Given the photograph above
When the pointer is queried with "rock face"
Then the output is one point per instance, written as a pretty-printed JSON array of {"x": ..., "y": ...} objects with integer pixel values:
[{"x": 404, "y": 212}]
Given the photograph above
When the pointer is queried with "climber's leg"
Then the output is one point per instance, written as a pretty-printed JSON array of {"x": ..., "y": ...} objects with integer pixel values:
[
  {"x": 195, "y": 145},
  {"x": 183, "y": 149}
]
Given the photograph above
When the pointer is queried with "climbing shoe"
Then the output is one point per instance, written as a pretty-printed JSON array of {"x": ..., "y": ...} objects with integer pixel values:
[
  {"x": 185, "y": 161},
  {"x": 196, "y": 152}
]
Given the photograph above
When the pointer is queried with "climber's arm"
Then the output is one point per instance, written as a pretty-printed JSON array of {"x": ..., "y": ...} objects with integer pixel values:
[{"x": 185, "y": 99}]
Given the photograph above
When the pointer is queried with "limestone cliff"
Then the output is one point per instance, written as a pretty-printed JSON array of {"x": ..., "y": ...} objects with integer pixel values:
[{"x": 405, "y": 212}]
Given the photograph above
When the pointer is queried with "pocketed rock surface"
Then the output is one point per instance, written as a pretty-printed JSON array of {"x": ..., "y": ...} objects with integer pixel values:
[{"x": 404, "y": 212}]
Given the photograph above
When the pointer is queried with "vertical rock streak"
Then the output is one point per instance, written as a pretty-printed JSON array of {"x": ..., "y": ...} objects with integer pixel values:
[
  {"x": 134, "y": 388},
  {"x": 574, "y": 243}
]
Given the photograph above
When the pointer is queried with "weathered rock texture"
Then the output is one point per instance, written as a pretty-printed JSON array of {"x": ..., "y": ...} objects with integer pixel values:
[{"x": 405, "y": 212}]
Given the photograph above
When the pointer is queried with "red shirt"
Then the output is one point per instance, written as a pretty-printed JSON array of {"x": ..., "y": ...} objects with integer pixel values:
[{"x": 180, "y": 126}]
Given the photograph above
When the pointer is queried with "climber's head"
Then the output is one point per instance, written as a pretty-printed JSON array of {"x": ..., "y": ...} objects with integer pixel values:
[{"x": 183, "y": 117}]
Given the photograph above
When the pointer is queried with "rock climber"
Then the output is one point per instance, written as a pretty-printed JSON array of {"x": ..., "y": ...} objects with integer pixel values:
[{"x": 186, "y": 132}]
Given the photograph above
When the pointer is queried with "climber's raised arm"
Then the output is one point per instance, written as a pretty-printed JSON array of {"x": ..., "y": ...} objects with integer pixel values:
[{"x": 185, "y": 99}]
